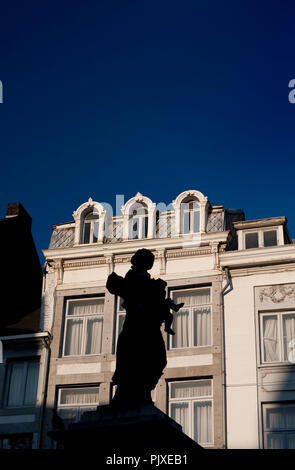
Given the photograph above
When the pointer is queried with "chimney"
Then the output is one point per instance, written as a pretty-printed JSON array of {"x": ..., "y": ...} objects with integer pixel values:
[{"x": 15, "y": 209}]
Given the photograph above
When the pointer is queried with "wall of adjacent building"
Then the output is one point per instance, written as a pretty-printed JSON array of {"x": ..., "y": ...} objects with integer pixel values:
[{"x": 245, "y": 390}]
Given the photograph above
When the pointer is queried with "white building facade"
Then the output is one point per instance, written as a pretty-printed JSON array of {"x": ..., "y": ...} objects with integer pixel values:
[{"x": 229, "y": 378}]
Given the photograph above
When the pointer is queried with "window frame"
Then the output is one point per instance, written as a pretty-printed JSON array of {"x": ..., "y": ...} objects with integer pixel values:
[
  {"x": 118, "y": 312},
  {"x": 279, "y": 314},
  {"x": 71, "y": 406},
  {"x": 192, "y": 400},
  {"x": 266, "y": 431},
  {"x": 191, "y": 215},
  {"x": 260, "y": 232},
  {"x": 191, "y": 319},
  {"x": 10, "y": 364},
  {"x": 142, "y": 221},
  {"x": 84, "y": 328},
  {"x": 91, "y": 223}
]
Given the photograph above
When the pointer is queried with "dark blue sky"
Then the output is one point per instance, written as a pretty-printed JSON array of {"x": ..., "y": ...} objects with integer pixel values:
[{"x": 113, "y": 97}]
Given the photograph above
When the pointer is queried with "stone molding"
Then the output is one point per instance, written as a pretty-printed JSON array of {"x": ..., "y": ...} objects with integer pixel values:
[{"x": 277, "y": 293}]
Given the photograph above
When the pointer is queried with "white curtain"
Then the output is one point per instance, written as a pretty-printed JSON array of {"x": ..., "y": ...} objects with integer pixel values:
[
  {"x": 291, "y": 440},
  {"x": 79, "y": 396},
  {"x": 196, "y": 225},
  {"x": 121, "y": 319},
  {"x": 201, "y": 319},
  {"x": 203, "y": 422},
  {"x": 193, "y": 297},
  {"x": 275, "y": 441},
  {"x": 180, "y": 413},
  {"x": 84, "y": 319},
  {"x": 290, "y": 417},
  {"x": 270, "y": 339},
  {"x": 289, "y": 333},
  {"x": 202, "y": 326},
  {"x": 194, "y": 389},
  {"x": 31, "y": 383},
  {"x": 282, "y": 419},
  {"x": 182, "y": 297},
  {"x": 94, "y": 335},
  {"x": 200, "y": 297},
  {"x": 16, "y": 385},
  {"x": 73, "y": 340},
  {"x": 86, "y": 307},
  {"x": 275, "y": 418},
  {"x": 181, "y": 328}
]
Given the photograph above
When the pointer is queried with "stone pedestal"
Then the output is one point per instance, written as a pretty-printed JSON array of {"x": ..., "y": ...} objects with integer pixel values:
[{"x": 116, "y": 434}]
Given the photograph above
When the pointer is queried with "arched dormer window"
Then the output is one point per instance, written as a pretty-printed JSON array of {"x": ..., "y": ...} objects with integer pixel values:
[
  {"x": 139, "y": 218},
  {"x": 190, "y": 216},
  {"x": 190, "y": 209},
  {"x": 138, "y": 221},
  {"x": 90, "y": 220},
  {"x": 90, "y": 227}
]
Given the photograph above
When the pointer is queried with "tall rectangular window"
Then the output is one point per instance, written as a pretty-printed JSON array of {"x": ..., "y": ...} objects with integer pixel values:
[
  {"x": 83, "y": 327},
  {"x": 22, "y": 383},
  {"x": 279, "y": 425},
  {"x": 277, "y": 334},
  {"x": 191, "y": 405},
  {"x": 74, "y": 401},
  {"x": 192, "y": 323}
]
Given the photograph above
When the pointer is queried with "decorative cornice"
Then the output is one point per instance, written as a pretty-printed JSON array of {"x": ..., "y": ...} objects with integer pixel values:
[
  {"x": 247, "y": 224},
  {"x": 188, "y": 253},
  {"x": 123, "y": 258},
  {"x": 86, "y": 263},
  {"x": 258, "y": 256},
  {"x": 267, "y": 269},
  {"x": 122, "y": 247}
]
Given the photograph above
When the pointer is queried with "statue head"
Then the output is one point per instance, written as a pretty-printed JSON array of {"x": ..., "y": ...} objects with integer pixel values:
[{"x": 143, "y": 259}]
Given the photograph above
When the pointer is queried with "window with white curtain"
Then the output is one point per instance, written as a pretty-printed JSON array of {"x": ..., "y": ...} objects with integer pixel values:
[
  {"x": 74, "y": 401},
  {"x": 191, "y": 405},
  {"x": 83, "y": 327},
  {"x": 279, "y": 425},
  {"x": 277, "y": 333},
  {"x": 119, "y": 320},
  {"x": 190, "y": 217},
  {"x": 22, "y": 383},
  {"x": 192, "y": 323}
]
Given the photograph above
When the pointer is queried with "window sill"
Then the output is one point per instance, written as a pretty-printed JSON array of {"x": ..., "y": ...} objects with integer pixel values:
[{"x": 276, "y": 365}]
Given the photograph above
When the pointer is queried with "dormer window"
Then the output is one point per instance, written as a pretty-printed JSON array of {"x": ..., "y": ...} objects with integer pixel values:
[
  {"x": 190, "y": 217},
  {"x": 138, "y": 222},
  {"x": 90, "y": 228},
  {"x": 262, "y": 233},
  {"x": 190, "y": 213},
  {"x": 91, "y": 220},
  {"x": 260, "y": 238}
]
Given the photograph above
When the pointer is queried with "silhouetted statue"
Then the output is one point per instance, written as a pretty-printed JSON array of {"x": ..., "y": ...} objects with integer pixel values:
[
  {"x": 141, "y": 353},
  {"x": 56, "y": 421}
]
